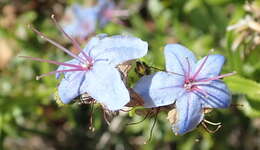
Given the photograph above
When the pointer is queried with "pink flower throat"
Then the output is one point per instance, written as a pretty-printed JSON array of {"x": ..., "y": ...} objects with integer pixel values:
[{"x": 191, "y": 84}]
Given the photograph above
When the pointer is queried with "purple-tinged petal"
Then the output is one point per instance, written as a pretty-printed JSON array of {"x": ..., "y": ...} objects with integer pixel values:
[
  {"x": 210, "y": 68},
  {"x": 189, "y": 113},
  {"x": 179, "y": 59},
  {"x": 217, "y": 95},
  {"x": 69, "y": 87},
  {"x": 118, "y": 49},
  {"x": 103, "y": 83},
  {"x": 160, "y": 89}
]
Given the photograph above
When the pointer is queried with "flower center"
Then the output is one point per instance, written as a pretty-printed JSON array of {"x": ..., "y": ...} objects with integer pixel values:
[
  {"x": 87, "y": 66},
  {"x": 188, "y": 84}
]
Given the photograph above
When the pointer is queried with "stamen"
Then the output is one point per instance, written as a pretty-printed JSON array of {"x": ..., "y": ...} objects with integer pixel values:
[
  {"x": 151, "y": 131},
  {"x": 73, "y": 41},
  {"x": 57, "y": 71},
  {"x": 201, "y": 66},
  {"x": 218, "y": 77},
  {"x": 134, "y": 123},
  {"x": 200, "y": 83},
  {"x": 51, "y": 61},
  {"x": 56, "y": 44}
]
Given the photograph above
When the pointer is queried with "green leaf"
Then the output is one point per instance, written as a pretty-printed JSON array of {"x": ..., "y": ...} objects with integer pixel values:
[{"x": 238, "y": 84}]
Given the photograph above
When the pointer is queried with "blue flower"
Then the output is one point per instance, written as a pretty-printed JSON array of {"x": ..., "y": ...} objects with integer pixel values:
[
  {"x": 81, "y": 22},
  {"x": 107, "y": 11},
  {"x": 93, "y": 70},
  {"x": 192, "y": 85}
]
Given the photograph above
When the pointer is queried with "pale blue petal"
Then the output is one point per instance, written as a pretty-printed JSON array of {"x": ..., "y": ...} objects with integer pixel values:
[
  {"x": 69, "y": 87},
  {"x": 218, "y": 95},
  {"x": 92, "y": 43},
  {"x": 104, "y": 84},
  {"x": 189, "y": 113},
  {"x": 160, "y": 89},
  {"x": 211, "y": 68},
  {"x": 61, "y": 67},
  {"x": 118, "y": 49},
  {"x": 177, "y": 58}
]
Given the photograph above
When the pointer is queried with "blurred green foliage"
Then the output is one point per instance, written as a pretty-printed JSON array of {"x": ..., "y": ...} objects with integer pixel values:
[{"x": 30, "y": 118}]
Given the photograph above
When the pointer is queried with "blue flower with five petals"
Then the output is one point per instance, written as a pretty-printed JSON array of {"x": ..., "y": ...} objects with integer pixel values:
[
  {"x": 192, "y": 85},
  {"x": 94, "y": 71}
]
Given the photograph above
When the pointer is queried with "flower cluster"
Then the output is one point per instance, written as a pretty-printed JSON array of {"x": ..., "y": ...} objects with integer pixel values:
[
  {"x": 190, "y": 85},
  {"x": 80, "y": 22}
]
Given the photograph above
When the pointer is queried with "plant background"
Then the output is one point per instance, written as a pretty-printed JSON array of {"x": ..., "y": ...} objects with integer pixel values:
[{"x": 31, "y": 120}]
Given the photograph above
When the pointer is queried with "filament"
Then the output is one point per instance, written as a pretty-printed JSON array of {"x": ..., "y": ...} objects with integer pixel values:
[
  {"x": 217, "y": 77},
  {"x": 74, "y": 42},
  {"x": 56, "y": 44},
  {"x": 51, "y": 61},
  {"x": 200, "y": 67},
  {"x": 57, "y": 71}
]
